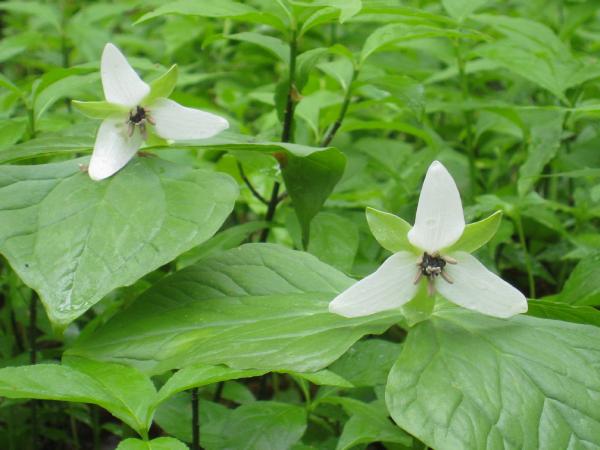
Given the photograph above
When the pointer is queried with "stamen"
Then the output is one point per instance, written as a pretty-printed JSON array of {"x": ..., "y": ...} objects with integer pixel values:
[{"x": 432, "y": 266}]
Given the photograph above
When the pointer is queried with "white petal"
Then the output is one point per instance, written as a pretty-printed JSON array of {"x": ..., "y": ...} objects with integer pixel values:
[
  {"x": 476, "y": 288},
  {"x": 177, "y": 122},
  {"x": 113, "y": 148},
  {"x": 440, "y": 220},
  {"x": 390, "y": 286},
  {"x": 120, "y": 82}
]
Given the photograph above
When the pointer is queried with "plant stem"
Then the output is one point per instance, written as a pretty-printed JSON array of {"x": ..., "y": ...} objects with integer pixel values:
[
  {"x": 195, "y": 420},
  {"x": 249, "y": 184},
  {"x": 338, "y": 122},
  {"x": 33, "y": 360},
  {"x": 95, "y": 427},
  {"x": 521, "y": 233},
  {"x": 286, "y": 133},
  {"x": 74, "y": 433},
  {"x": 218, "y": 392},
  {"x": 468, "y": 115}
]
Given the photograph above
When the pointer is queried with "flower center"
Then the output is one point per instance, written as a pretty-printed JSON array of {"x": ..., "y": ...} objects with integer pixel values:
[
  {"x": 138, "y": 118},
  {"x": 431, "y": 266},
  {"x": 137, "y": 115}
]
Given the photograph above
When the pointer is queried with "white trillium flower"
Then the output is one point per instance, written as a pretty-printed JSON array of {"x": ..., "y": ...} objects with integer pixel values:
[
  {"x": 121, "y": 135},
  {"x": 457, "y": 276}
]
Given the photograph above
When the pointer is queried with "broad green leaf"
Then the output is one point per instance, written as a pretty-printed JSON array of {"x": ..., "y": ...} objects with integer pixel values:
[
  {"x": 226, "y": 9},
  {"x": 390, "y": 230},
  {"x": 310, "y": 173},
  {"x": 63, "y": 88},
  {"x": 260, "y": 306},
  {"x": 64, "y": 383},
  {"x": 347, "y": 8},
  {"x": 162, "y": 443},
  {"x": 544, "y": 142},
  {"x": 259, "y": 425},
  {"x": 403, "y": 90},
  {"x": 369, "y": 422},
  {"x": 305, "y": 63},
  {"x": 583, "y": 285},
  {"x": 163, "y": 86},
  {"x": 341, "y": 70},
  {"x": 202, "y": 8},
  {"x": 11, "y": 131},
  {"x": 334, "y": 240},
  {"x": 368, "y": 362},
  {"x": 477, "y": 234},
  {"x": 174, "y": 417},
  {"x": 460, "y": 9},
  {"x": 309, "y": 182},
  {"x": 134, "y": 390},
  {"x": 47, "y": 145},
  {"x": 46, "y": 13},
  {"x": 533, "y": 51},
  {"x": 73, "y": 240},
  {"x": 272, "y": 44},
  {"x": 391, "y": 34},
  {"x": 224, "y": 240},
  {"x": 197, "y": 375},
  {"x": 464, "y": 380},
  {"x": 324, "y": 378},
  {"x": 565, "y": 312},
  {"x": 100, "y": 109}
]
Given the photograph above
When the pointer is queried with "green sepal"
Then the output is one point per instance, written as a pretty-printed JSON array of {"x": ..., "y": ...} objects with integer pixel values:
[
  {"x": 477, "y": 234},
  {"x": 98, "y": 110},
  {"x": 163, "y": 86},
  {"x": 390, "y": 230},
  {"x": 419, "y": 308}
]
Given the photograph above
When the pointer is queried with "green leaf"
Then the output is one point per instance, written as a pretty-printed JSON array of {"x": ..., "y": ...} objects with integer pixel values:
[
  {"x": 324, "y": 378},
  {"x": 391, "y": 34},
  {"x": 532, "y": 50},
  {"x": 583, "y": 285},
  {"x": 464, "y": 380},
  {"x": 259, "y": 425},
  {"x": 562, "y": 311},
  {"x": 63, "y": 88},
  {"x": 162, "y": 443},
  {"x": 477, "y": 234},
  {"x": 310, "y": 173},
  {"x": 260, "y": 306},
  {"x": 99, "y": 110},
  {"x": 272, "y": 44},
  {"x": 73, "y": 240},
  {"x": 390, "y": 230},
  {"x": 460, "y": 9},
  {"x": 347, "y": 8},
  {"x": 305, "y": 63},
  {"x": 403, "y": 90},
  {"x": 69, "y": 384},
  {"x": 334, "y": 240},
  {"x": 544, "y": 142},
  {"x": 224, "y": 240},
  {"x": 48, "y": 145},
  {"x": 369, "y": 422},
  {"x": 163, "y": 86},
  {"x": 367, "y": 363},
  {"x": 197, "y": 375},
  {"x": 46, "y": 14},
  {"x": 309, "y": 181},
  {"x": 202, "y": 8},
  {"x": 134, "y": 390}
]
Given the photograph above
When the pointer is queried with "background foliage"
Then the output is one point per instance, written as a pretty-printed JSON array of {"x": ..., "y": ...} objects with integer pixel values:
[{"x": 148, "y": 302}]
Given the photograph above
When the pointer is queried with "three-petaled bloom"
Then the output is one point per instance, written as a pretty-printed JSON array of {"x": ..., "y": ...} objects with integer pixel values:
[
  {"x": 133, "y": 109},
  {"x": 456, "y": 275}
]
